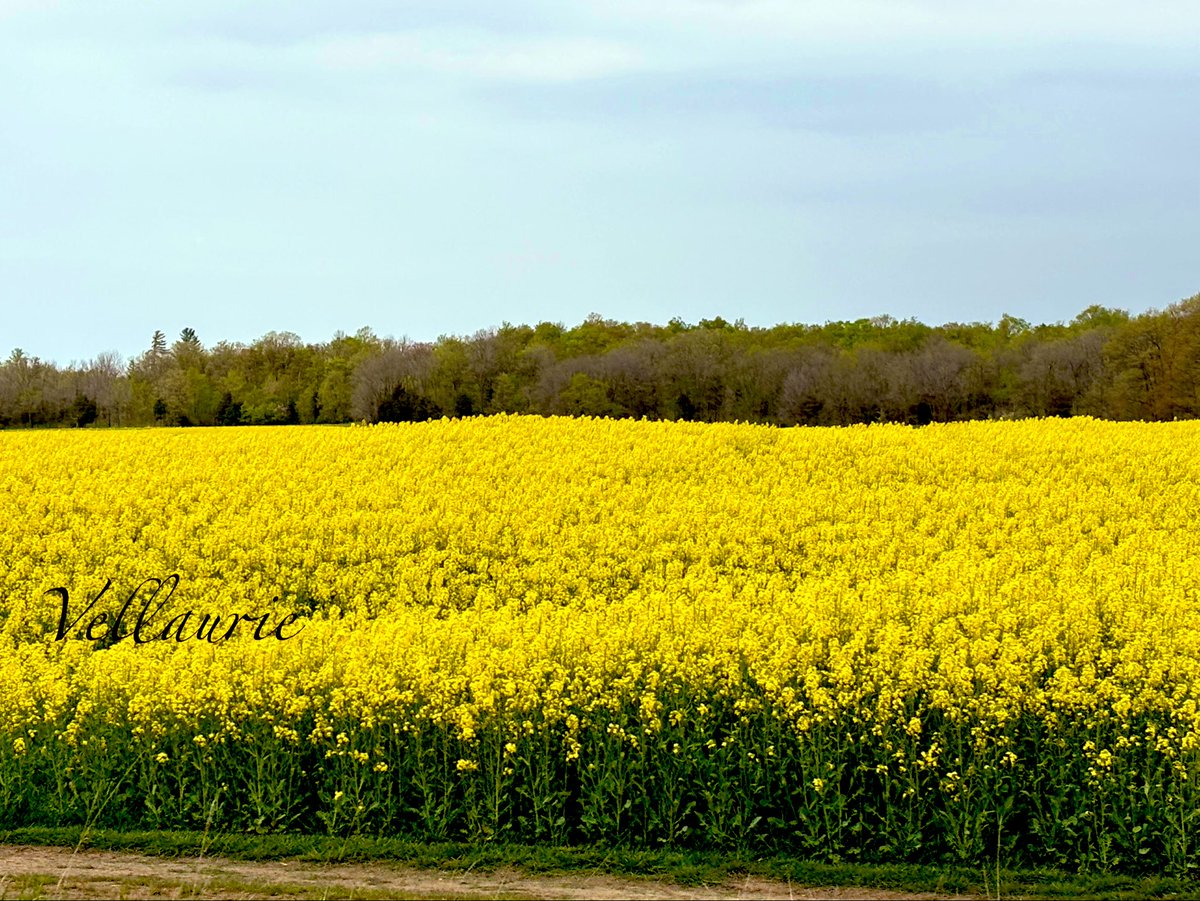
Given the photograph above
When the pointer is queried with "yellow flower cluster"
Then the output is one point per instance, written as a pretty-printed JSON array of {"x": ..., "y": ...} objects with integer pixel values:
[{"x": 514, "y": 574}]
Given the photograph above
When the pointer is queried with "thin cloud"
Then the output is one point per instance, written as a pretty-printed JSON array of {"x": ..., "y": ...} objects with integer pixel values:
[
  {"x": 14, "y": 7},
  {"x": 862, "y": 21},
  {"x": 846, "y": 105},
  {"x": 481, "y": 56}
]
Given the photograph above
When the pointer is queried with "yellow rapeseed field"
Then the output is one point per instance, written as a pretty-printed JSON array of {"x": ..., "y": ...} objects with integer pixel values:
[{"x": 873, "y": 642}]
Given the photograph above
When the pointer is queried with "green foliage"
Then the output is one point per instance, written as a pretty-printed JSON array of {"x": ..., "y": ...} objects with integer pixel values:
[
  {"x": 708, "y": 777},
  {"x": 406, "y": 405},
  {"x": 1104, "y": 363},
  {"x": 587, "y": 396}
]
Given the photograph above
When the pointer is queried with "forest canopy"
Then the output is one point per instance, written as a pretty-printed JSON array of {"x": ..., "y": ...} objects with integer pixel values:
[{"x": 1104, "y": 363}]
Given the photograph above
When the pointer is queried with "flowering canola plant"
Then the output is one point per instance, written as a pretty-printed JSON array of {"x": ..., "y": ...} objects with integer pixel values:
[{"x": 875, "y": 642}]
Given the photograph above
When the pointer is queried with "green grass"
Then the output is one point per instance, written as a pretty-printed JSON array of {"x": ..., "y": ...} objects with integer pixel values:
[{"x": 682, "y": 867}]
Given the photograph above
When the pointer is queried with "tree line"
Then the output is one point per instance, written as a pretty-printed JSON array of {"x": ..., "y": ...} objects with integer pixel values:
[{"x": 1103, "y": 363}]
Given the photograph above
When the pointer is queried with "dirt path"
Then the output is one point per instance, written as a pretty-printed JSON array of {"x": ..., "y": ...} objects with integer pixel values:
[{"x": 34, "y": 872}]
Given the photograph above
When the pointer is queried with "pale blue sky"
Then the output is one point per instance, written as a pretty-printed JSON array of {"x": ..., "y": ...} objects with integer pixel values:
[{"x": 445, "y": 165}]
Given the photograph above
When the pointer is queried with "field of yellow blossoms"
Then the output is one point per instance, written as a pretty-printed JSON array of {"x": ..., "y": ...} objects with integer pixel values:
[{"x": 870, "y": 643}]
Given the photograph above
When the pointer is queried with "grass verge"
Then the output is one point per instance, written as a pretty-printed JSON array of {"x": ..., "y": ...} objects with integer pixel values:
[{"x": 683, "y": 867}]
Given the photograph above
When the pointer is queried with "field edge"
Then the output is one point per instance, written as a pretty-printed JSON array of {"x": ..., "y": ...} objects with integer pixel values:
[{"x": 685, "y": 868}]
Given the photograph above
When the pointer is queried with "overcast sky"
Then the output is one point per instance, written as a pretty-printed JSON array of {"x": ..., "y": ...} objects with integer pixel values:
[{"x": 441, "y": 166}]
